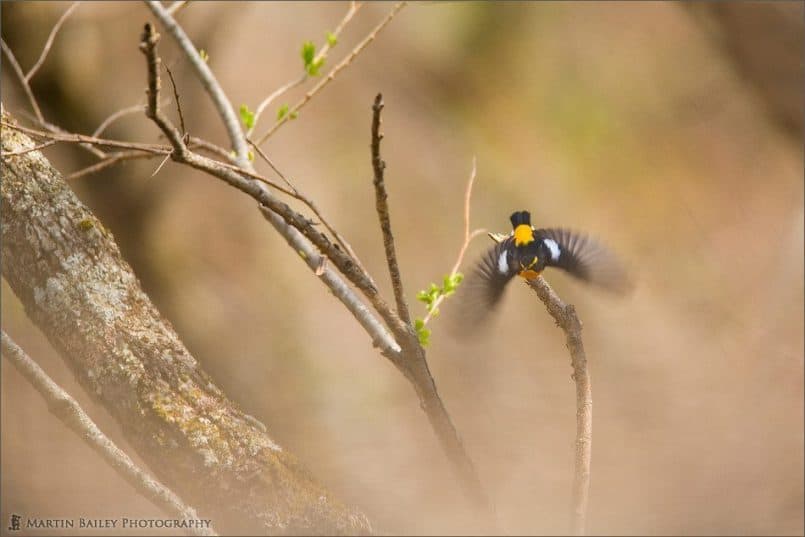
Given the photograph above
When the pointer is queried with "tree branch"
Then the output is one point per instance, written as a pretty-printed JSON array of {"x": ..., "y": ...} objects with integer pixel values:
[
  {"x": 49, "y": 42},
  {"x": 566, "y": 318},
  {"x": 135, "y": 109},
  {"x": 405, "y": 353},
  {"x": 322, "y": 54},
  {"x": 468, "y": 237},
  {"x": 70, "y": 413},
  {"x": 382, "y": 206},
  {"x": 109, "y": 160},
  {"x": 23, "y": 81},
  {"x": 68, "y": 272},
  {"x": 295, "y": 228},
  {"x": 155, "y": 149},
  {"x": 313, "y": 207},
  {"x": 332, "y": 74},
  {"x": 208, "y": 80}
]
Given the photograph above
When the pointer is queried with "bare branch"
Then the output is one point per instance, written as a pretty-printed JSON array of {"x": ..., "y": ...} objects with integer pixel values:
[
  {"x": 566, "y": 318},
  {"x": 176, "y": 98},
  {"x": 382, "y": 206},
  {"x": 208, "y": 80},
  {"x": 274, "y": 95},
  {"x": 21, "y": 76},
  {"x": 82, "y": 139},
  {"x": 193, "y": 142},
  {"x": 117, "y": 115},
  {"x": 108, "y": 161},
  {"x": 69, "y": 412},
  {"x": 322, "y": 54},
  {"x": 58, "y": 130},
  {"x": 333, "y": 73},
  {"x": 49, "y": 42},
  {"x": 405, "y": 353},
  {"x": 295, "y": 228},
  {"x": 313, "y": 207}
]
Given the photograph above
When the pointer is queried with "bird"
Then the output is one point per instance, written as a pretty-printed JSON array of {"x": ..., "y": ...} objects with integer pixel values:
[{"x": 526, "y": 252}]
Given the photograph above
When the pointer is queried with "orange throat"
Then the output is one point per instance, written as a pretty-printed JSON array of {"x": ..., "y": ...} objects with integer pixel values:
[{"x": 529, "y": 274}]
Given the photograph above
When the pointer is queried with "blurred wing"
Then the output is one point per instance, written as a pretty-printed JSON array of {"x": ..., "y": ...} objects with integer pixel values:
[
  {"x": 585, "y": 258},
  {"x": 480, "y": 293}
]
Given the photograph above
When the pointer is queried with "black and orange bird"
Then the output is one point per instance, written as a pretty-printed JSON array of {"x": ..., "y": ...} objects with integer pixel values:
[{"x": 526, "y": 252}]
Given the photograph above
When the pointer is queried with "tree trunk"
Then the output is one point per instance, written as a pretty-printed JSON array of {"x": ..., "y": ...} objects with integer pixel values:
[{"x": 66, "y": 269}]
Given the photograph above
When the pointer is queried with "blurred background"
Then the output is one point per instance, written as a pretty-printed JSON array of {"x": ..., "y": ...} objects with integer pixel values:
[{"x": 670, "y": 130}]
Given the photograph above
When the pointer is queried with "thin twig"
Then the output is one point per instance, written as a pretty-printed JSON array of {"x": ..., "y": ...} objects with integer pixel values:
[
  {"x": 117, "y": 115},
  {"x": 283, "y": 218},
  {"x": 34, "y": 148},
  {"x": 566, "y": 318},
  {"x": 164, "y": 160},
  {"x": 208, "y": 80},
  {"x": 63, "y": 406},
  {"x": 273, "y": 166},
  {"x": 381, "y": 203},
  {"x": 177, "y": 6},
  {"x": 325, "y": 49},
  {"x": 108, "y": 161},
  {"x": 82, "y": 139},
  {"x": 193, "y": 142},
  {"x": 176, "y": 97},
  {"x": 274, "y": 95},
  {"x": 58, "y": 130},
  {"x": 332, "y": 74},
  {"x": 468, "y": 237},
  {"x": 21, "y": 76},
  {"x": 322, "y": 54},
  {"x": 261, "y": 178},
  {"x": 313, "y": 207},
  {"x": 49, "y": 42}
]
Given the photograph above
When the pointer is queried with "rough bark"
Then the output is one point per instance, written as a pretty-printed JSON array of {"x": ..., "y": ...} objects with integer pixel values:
[
  {"x": 66, "y": 269},
  {"x": 566, "y": 319}
]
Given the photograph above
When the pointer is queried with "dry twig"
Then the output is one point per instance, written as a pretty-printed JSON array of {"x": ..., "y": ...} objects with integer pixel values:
[
  {"x": 566, "y": 318},
  {"x": 49, "y": 42},
  {"x": 108, "y": 161},
  {"x": 382, "y": 206},
  {"x": 92, "y": 140},
  {"x": 295, "y": 228},
  {"x": 23, "y": 81},
  {"x": 117, "y": 115},
  {"x": 176, "y": 98},
  {"x": 208, "y": 80},
  {"x": 62, "y": 405},
  {"x": 313, "y": 207}
]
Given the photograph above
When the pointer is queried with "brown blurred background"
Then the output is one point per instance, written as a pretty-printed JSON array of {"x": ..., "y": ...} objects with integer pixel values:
[{"x": 672, "y": 131}]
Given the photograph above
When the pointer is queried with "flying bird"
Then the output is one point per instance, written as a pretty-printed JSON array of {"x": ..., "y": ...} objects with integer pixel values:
[{"x": 526, "y": 252}]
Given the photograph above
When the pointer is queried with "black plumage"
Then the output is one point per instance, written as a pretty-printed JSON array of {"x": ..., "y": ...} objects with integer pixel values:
[{"x": 526, "y": 252}]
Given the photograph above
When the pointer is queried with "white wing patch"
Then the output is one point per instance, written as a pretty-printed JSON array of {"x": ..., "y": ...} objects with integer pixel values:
[
  {"x": 503, "y": 263},
  {"x": 554, "y": 248}
]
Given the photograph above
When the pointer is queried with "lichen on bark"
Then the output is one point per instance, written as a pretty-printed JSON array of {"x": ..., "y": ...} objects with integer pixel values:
[{"x": 68, "y": 272}]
